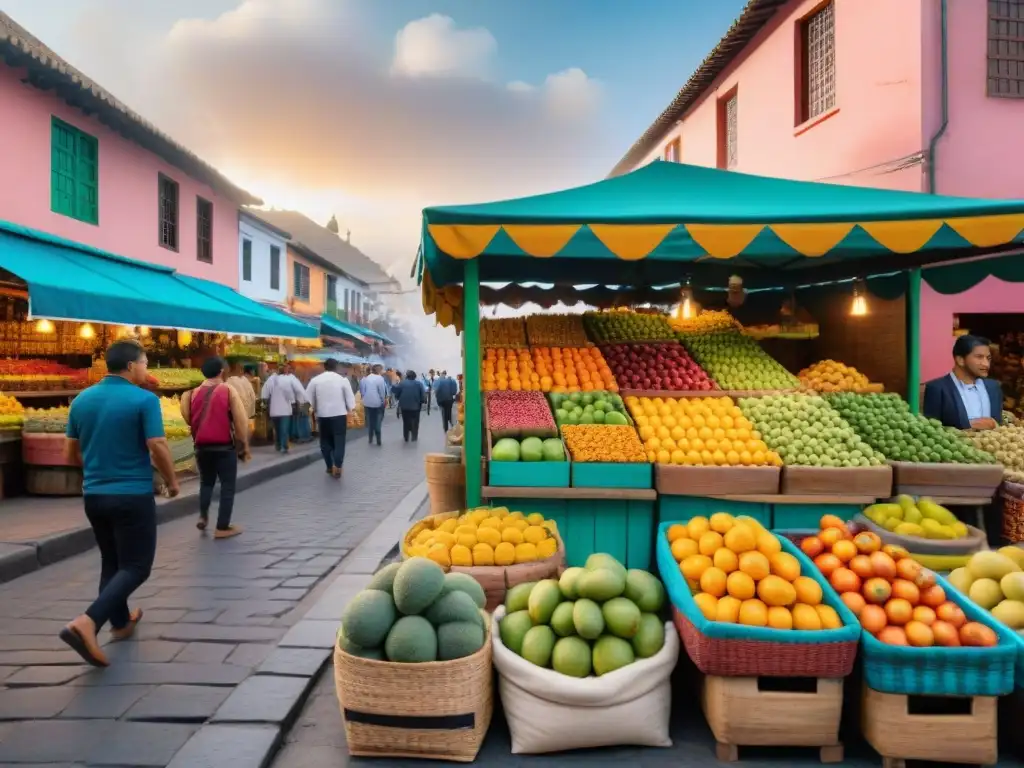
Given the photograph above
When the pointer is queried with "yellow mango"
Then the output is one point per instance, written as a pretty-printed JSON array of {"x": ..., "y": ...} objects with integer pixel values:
[
  {"x": 489, "y": 536},
  {"x": 483, "y": 554},
  {"x": 535, "y": 518},
  {"x": 547, "y": 548},
  {"x": 466, "y": 540},
  {"x": 440, "y": 556},
  {"x": 504, "y": 554},
  {"x": 461, "y": 555},
  {"x": 535, "y": 534},
  {"x": 491, "y": 522},
  {"x": 526, "y": 553},
  {"x": 464, "y": 529},
  {"x": 448, "y": 526}
]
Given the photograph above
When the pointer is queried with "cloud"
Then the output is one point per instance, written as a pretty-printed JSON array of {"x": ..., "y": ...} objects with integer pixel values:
[{"x": 435, "y": 47}]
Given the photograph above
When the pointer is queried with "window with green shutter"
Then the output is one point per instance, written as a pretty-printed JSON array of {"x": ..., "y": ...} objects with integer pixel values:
[
  {"x": 74, "y": 173},
  {"x": 246, "y": 260}
]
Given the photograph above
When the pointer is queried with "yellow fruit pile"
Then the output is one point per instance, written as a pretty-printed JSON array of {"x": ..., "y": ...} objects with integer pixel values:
[
  {"x": 833, "y": 376},
  {"x": 739, "y": 574},
  {"x": 503, "y": 332},
  {"x": 483, "y": 536},
  {"x": 556, "y": 331},
  {"x": 603, "y": 443},
  {"x": 10, "y": 406},
  {"x": 708, "y": 321},
  {"x": 694, "y": 431}
]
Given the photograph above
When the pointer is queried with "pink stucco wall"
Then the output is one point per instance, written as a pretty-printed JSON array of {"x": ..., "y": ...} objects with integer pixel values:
[
  {"x": 991, "y": 296},
  {"x": 127, "y": 188},
  {"x": 878, "y": 117}
]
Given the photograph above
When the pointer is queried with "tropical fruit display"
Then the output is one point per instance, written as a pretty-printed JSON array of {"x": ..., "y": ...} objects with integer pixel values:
[
  {"x": 995, "y": 581},
  {"x": 597, "y": 407},
  {"x": 895, "y": 598},
  {"x": 503, "y": 332},
  {"x": 515, "y": 413},
  {"x": 738, "y": 573},
  {"x": 413, "y": 613},
  {"x": 697, "y": 431},
  {"x": 887, "y": 424},
  {"x": 833, "y": 376},
  {"x": 174, "y": 424},
  {"x": 508, "y": 369},
  {"x": 12, "y": 413},
  {"x": 31, "y": 375},
  {"x": 1006, "y": 444},
  {"x": 708, "y": 321},
  {"x": 625, "y": 326},
  {"x": 177, "y": 378},
  {"x": 922, "y": 517},
  {"x": 46, "y": 420},
  {"x": 556, "y": 331},
  {"x": 661, "y": 366},
  {"x": 571, "y": 369},
  {"x": 528, "y": 449},
  {"x": 805, "y": 431},
  {"x": 609, "y": 443},
  {"x": 482, "y": 536},
  {"x": 590, "y": 621},
  {"x": 737, "y": 362}
]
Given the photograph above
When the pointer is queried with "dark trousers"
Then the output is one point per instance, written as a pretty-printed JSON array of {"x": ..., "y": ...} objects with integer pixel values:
[
  {"x": 446, "y": 414},
  {"x": 374, "y": 418},
  {"x": 282, "y": 428},
  {"x": 125, "y": 531},
  {"x": 333, "y": 431},
  {"x": 410, "y": 425},
  {"x": 217, "y": 464}
]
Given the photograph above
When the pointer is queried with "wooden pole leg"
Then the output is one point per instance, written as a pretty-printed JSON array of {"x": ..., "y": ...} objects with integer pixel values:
[
  {"x": 894, "y": 762},
  {"x": 727, "y": 753},
  {"x": 832, "y": 754}
]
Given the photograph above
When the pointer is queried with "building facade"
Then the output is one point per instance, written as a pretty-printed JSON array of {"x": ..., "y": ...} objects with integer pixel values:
[
  {"x": 131, "y": 190},
  {"x": 262, "y": 260},
  {"x": 858, "y": 92}
]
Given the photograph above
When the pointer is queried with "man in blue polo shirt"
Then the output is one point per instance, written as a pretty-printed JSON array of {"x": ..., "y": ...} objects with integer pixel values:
[{"x": 116, "y": 431}]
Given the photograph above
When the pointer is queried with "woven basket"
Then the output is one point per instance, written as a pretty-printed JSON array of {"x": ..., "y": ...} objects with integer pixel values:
[
  {"x": 735, "y": 650},
  {"x": 1013, "y": 518},
  {"x": 437, "y": 710},
  {"x": 935, "y": 671}
]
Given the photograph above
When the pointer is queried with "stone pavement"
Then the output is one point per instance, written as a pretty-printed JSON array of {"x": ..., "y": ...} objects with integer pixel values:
[{"x": 223, "y": 658}]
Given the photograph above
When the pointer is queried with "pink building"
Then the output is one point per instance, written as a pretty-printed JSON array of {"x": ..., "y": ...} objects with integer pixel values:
[
  {"x": 79, "y": 164},
  {"x": 916, "y": 95}
]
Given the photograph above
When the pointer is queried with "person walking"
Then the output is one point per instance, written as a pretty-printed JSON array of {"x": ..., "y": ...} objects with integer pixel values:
[
  {"x": 116, "y": 433},
  {"x": 283, "y": 394},
  {"x": 374, "y": 391},
  {"x": 409, "y": 394},
  {"x": 217, "y": 416},
  {"x": 428, "y": 386},
  {"x": 330, "y": 395},
  {"x": 239, "y": 382},
  {"x": 445, "y": 390}
]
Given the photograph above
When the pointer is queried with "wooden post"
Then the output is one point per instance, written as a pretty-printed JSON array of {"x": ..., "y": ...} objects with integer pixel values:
[
  {"x": 914, "y": 340},
  {"x": 472, "y": 443}
]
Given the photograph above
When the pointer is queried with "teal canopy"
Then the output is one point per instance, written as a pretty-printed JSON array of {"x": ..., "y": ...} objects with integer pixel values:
[
  {"x": 332, "y": 326},
  {"x": 69, "y": 281},
  {"x": 670, "y": 221}
]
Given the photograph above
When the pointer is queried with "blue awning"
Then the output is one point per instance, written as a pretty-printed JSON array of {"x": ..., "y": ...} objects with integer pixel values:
[
  {"x": 70, "y": 281},
  {"x": 332, "y": 326}
]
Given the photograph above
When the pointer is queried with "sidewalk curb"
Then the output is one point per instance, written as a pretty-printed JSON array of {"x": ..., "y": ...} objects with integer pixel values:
[
  {"x": 314, "y": 635},
  {"x": 19, "y": 559}
]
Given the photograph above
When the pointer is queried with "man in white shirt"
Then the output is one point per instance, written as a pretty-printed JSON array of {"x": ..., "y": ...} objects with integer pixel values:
[
  {"x": 283, "y": 394},
  {"x": 374, "y": 391},
  {"x": 331, "y": 398}
]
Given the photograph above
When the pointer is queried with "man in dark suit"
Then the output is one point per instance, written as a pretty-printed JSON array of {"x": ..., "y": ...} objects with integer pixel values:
[{"x": 965, "y": 398}]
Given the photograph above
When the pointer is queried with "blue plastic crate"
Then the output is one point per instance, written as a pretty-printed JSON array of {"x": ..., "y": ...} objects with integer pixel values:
[
  {"x": 800, "y": 516},
  {"x": 611, "y": 475},
  {"x": 674, "y": 508},
  {"x": 944, "y": 671},
  {"x": 679, "y": 593},
  {"x": 529, "y": 474}
]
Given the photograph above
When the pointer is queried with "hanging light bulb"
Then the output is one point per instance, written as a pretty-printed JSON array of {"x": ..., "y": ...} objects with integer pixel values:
[
  {"x": 184, "y": 338},
  {"x": 44, "y": 326},
  {"x": 143, "y": 330},
  {"x": 86, "y": 331},
  {"x": 859, "y": 305}
]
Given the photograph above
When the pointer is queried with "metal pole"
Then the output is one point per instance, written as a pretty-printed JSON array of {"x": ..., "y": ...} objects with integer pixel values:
[
  {"x": 472, "y": 444},
  {"x": 914, "y": 340}
]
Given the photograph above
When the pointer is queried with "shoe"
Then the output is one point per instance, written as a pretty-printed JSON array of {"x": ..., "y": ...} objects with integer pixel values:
[
  {"x": 336, "y": 471},
  {"x": 201, "y": 522},
  {"x": 128, "y": 629},
  {"x": 80, "y": 635},
  {"x": 227, "y": 533}
]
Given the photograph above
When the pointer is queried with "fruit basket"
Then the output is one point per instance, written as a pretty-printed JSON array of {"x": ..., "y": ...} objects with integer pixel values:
[
  {"x": 944, "y": 671},
  {"x": 496, "y": 570},
  {"x": 738, "y": 650},
  {"x": 518, "y": 415},
  {"x": 1012, "y": 497},
  {"x": 551, "y": 712},
  {"x": 972, "y": 542},
  {"x": 606, "y": 456}
]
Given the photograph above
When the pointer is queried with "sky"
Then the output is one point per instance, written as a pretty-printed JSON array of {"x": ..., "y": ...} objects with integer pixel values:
[{"x": 373, "y": 109}]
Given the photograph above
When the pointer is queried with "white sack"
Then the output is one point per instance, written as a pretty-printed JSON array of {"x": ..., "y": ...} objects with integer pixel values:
[{"x": 551, "y": 712}]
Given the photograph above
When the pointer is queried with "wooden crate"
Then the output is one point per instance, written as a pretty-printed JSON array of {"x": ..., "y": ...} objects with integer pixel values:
[
  {"x": 773, "y": 712},
  {"x": 948, "y": 729},
  {"x": 946, "y": 480},
  {"x": 707, "y": 481},
  {"x": 53, "y": 481},
  {"x": 852, "y": 481}
]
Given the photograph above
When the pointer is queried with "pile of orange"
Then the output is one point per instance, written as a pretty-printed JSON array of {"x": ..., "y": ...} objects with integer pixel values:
[
  {"x": 696, "y": 431},
  {"x": 738, "y": 574},
  {"x": 833, "y": 376},
  {"x": 896, "y": 599},
  {"x": 547, "y": 369}
]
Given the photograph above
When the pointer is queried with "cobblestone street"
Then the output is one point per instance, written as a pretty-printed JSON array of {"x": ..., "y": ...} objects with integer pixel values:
[{"x": 215, "y": 614}]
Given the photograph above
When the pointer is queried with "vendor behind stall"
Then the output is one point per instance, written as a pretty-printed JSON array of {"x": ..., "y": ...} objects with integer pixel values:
[{"x": 966, "y": 398}]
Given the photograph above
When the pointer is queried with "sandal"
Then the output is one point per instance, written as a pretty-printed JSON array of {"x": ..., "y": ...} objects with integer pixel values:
[
  {"x": 80, "y": 645},
  {"x": 128, "y": 629},
  {"x": 201, "y": 523}
]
